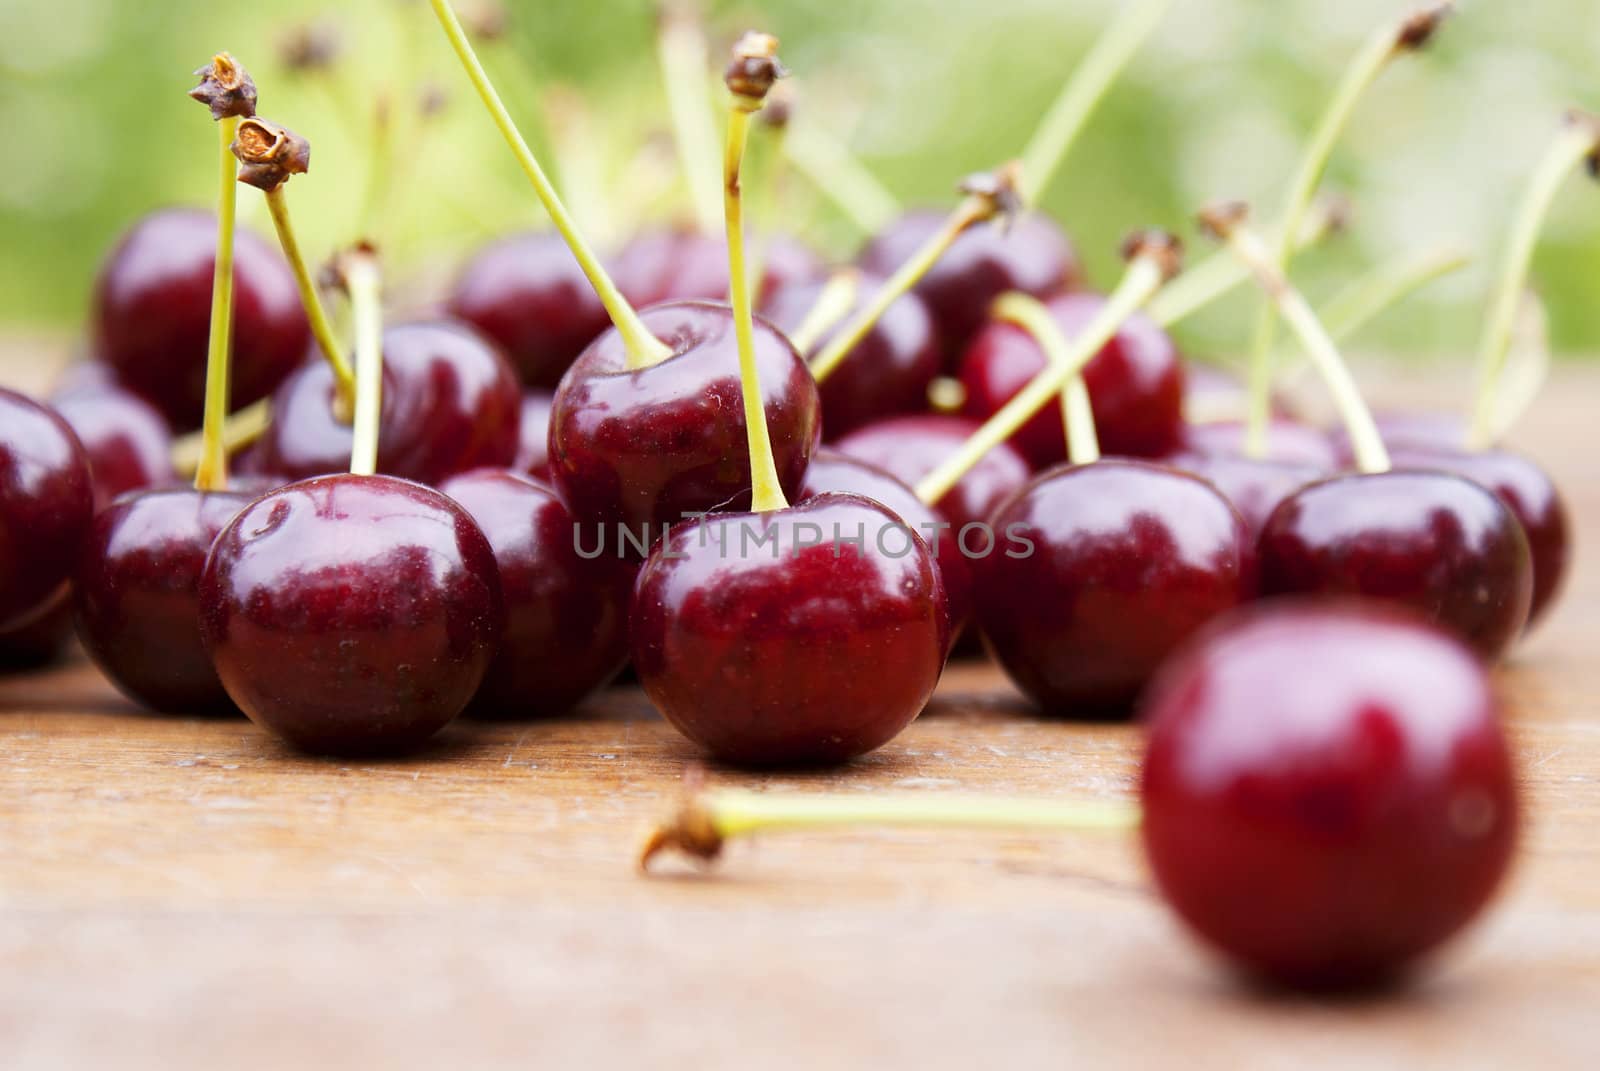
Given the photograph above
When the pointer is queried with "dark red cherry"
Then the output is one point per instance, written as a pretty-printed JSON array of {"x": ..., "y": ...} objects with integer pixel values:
[
  {"x": 1327, "y": 792},
  {"x": 910, "y": 447},
  {"x": 887, "y": 373},
  {"x": 451, "y": 404},
  {"x": 1287, "y": 441},
  {"x": 128, "y": 443},
  {"x": 528, "y": 295},
  {"x": 46, "y": 504},
  {"x": 1528, "y": 493},
  {"x": 352, "y": 614},
  {"x": 1135, "y": 384},
  {"x": 1437, "y": 543},
  {"x": 533, "y": 442},
  {"x": 566, "y": 614},
  {"x": 136, "y": 596},
  {"x": 643, "y": 449},
  {"x": 1031, "y": 255},
  {"x": 1212, "y": 394},
  {"x": 1420, "y": 428},
  {"x": 768, "y": 639},
  {"x": 1254, "y": 487},
  {"x": 681, "y": 264},
  {"x": 834, "y": 473},
  {"x": 38, "y": 638},
  {"x": 1098, "y": 573},
  {"x": 152, "y": 314}
]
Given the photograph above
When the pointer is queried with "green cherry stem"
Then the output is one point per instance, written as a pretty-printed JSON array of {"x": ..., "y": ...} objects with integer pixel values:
[
  {"x": 243, "y": 427},
  {"x": 755, "y": 67},
  {"x": 832, "y": 168},
  {"x": 1033, "y": 316},
  {"x": 685, "y": 74},
  {"x": 643, "y": 348},
  {"x": 1153, "y": 259},
  {"x": 1387, "y": 286},
  {"x": 1578, "y": 141},
  {"x": 211, "y": 473},
  {"x": 1410, "y": 34},
  {"x": 838, "y": 296},
  {"x": 987, "y": 196},
  {"x": 706, "y": 821},
  {"x": 364, "y": 281},
  {"x": 1083, "y": 92},
  {"x": 1528, "y": 365},
  {"x": 1227, "y": 222}
]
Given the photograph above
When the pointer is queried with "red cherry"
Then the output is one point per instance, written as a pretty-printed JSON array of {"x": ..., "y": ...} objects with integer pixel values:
[
  {"x": 46, "y": 504},
  {"x": 1287, "y": 440},
  {"x": 1254, "y": 487},
  {"x": 910, "y": 447},
  {"x": 680, "y": 264},
  {"x": 128, "y": 443}
]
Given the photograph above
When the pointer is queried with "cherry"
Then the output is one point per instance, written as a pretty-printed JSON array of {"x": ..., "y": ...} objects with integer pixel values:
[
  {"x": 910, "y": 447},
  {"x": 533, "y": 444},
  {"x": 1327, "y": 792},
  {"x": 886, "y": 373},
  {"x": 38, "y": 638},
  {"x": 682, "y": 264},
  {"x": 137, "y": 601},
  {"x": 1135, "y": 383},
  {"x": 566, "y": 616},
  {"x": 1099, "y": 572},
  {"x": 450, "y": 404},
  {"x": 46, "y": 504},
  {"x": 351, "y": 614},
  {"x": 645, "y": 447},
  {"x": 1253, "y": 486},
  {"x": 1438, "y": 543},
  {"x": 1407, "y": 430},
  {"x": 1287, "y": 440},
  {"x": 528, "y": 295},
  {"x": 128, "y": 443},
  {"x": 152, "y": 311},
  {"x": 1032, "y": 255}
]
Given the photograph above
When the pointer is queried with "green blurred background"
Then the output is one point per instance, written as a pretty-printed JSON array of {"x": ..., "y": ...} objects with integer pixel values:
[{"x": 97, "y": 129}]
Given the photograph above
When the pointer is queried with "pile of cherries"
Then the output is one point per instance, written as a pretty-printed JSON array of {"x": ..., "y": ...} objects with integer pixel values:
[{"x": 564, "y": 485}]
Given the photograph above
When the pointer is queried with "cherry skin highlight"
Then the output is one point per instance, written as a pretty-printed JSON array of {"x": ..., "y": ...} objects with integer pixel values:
[
  {"x": 1327, "y": 792},
  {"x": 644, "y": 449},
  {"x": 128, "y": 443},
  {"x": 352, "y": 614},
  {"x": 152, "y": 314},
  {"x": 46, "y": 504},
  {"x": 680, "y": 264},
  {"x": 1100, "y": 572},
  {"x": 527, "y": 294},
  {"x": 887, "y": 373},
  {"x": 533, "y": 437},
  {"x": 136, "y": 596},
  {"x": 1135, "y": 384},
  {"x": 451, "y": 404},
  {"x": 1437, "y": 543},
  {"x": 787, "y": 653},
  {"x": 1254, "y": 487},
  {"x": 910, "y": 447},
  {"x": 566, "y": 616}
]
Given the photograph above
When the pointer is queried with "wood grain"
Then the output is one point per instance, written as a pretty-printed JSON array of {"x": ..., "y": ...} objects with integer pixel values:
[{"x": 185, "y": 893}]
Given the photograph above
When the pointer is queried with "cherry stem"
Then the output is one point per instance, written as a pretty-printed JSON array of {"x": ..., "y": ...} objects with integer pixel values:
[
  {"x": 1220, "y": 273},
  {"x": 364, "y": 281},
  {"x": 211, "y": 473},
  {"x": 1579, "y": 141},
  {"x": 988, "y": 196},
  {"x": 643, "y": 348},
  {"x": 833, "y": 304},
  {"x": 380, "y": 166},
  {"x": 1407, "y": 35},
  {"x": 707, "y": 820},
  {"x": 686, "y": 75},
  {"x": 1527, "y": 368},
  {"x": 1034, "y": 317},
  {"x": 1153, "y": 262},
  {"x": 834, "y": 170},
  {"x": 1083, "y": 92},
  {"x": 344, "y": 377},
  {"x": 1386, "y": 286},
  {"x": 947, "y": 394},
  {"x": 1227, "y": 223},
  {"x": 243, "y": 427}
]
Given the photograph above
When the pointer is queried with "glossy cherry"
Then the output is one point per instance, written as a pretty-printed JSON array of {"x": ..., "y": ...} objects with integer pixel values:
[
  {"x": 1135, "y": 383},
  {"x": 528, "y": 295},
  {"x": 910, "y": 447},
  {"x": 152, "y": 314},
  {"x": 643, "y": 449},
  {"x": 566, "y": 615},
  {"x": 1437, "y": 543},
  {"x": 1214, "y": 394},
  {"x": 1031, "y": 255},
  {"x": 46, "y": 504},
  {"x": 533, "y": 435},
  {"x": 886, "y": 374},
  {"x": 1254, "y": 487},
  {"x": 1287, "y": 441},
  {"x": 681, "y": 264},
  {"x": 128, "y": 443},
  {"x": 1404, "y": 429},
  {"x": 136, "y": 596},
  {"x": 767, "y": 640},
  {"x": 352, "y": 614},
  {"x": 1327, "y": 792},
  {"x": 1098, "y": 573},
  {"x": 451, "y": 404}
]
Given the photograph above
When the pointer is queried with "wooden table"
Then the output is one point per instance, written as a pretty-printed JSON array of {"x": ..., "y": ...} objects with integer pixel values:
[{"x": 186, "y": 893}]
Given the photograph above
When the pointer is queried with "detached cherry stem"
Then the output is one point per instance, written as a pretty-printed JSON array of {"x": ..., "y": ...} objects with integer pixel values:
[
  {"x": 1227, "y": 223},
  {"x": 1154, "y": 257},
  {"x": 1579, "y": 141},
  {"x": 363, "y": 281},
  {"x": 1408, "y": 35},
  {"x": 643, "y": 348},
  {"x": 987, "y": 196},
  {"x": 1033, "y": 316}
]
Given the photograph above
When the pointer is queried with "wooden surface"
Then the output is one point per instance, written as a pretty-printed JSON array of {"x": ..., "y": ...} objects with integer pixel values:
[{"x": 185, "y": 893}]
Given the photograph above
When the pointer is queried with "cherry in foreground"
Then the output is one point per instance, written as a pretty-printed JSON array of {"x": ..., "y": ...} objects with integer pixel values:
[{"x": 46, "y": 503}]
